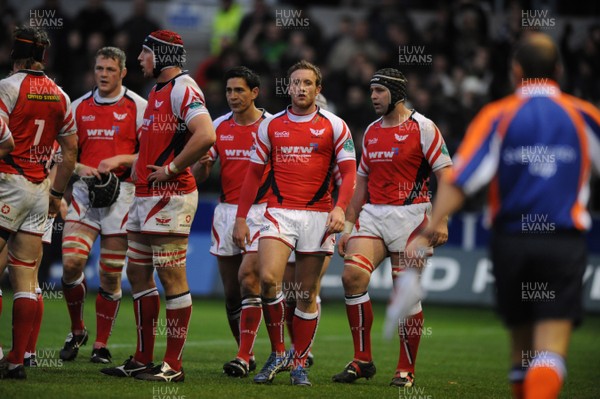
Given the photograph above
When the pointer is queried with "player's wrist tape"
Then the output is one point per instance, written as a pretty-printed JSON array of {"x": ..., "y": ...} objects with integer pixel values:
[
  {"x": 171, "y": 169},
  {"x": 56, "y": 194},
  {"x": 348, "y": 226}
]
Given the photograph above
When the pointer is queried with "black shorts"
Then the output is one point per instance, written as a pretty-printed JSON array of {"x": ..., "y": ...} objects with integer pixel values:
[{"x": 539, "y": 276}]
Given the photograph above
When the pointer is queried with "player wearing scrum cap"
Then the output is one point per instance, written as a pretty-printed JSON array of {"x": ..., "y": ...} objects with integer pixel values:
[
  {"x": 176, "y": 132},
  {"x": 391, "y": 203},
  {"x": 37, "y": 112}
]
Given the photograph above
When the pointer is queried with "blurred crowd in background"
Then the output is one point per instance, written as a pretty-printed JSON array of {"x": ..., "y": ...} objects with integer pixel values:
[{"x": 463, "y": 63}]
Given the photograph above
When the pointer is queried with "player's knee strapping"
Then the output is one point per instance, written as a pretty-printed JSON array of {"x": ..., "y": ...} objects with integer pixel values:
[
  {"x": 17, "y": 262},
  {"x": 169, "y": 255},
  {"x": 112, "y": 261},
  {"x": 139, "y": 254},
  {"x": 359, "y": 261},
  {"x": 77, "y": 245}
]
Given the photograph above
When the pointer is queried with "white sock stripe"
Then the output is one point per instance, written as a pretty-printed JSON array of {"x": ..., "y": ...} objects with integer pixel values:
[
  {"x": 318, "y": 300},
  {"x": 24, "y": 295},
  {"x": 251, "y": 302},
  {"x": 180, "y": 302},
  {"x": 38, "y": 290},
  {"x": 149, "y": 292},
  {"x": 306, "y": 316},
  {"x": 552, "y": 360},
  {"x": 415, "y": 309},
  {"x": 357, "y": 300}
]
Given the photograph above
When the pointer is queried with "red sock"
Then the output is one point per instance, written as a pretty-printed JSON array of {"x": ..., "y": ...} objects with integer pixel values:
[
  {"x": 37, "y": 323},
  {"x": 250, "y": 319},
  {"x": 410, "y": 335},
  {"x": 179, "y": 312},
  {"x": 107, "y": 307},
  {"x": 290, "y": 307},
  {"x": 360, "y": 317},
  {"x": 305, "y": 328},
  {"x": 23, "y": 316},
  {"x": 75, "y": 297},
  {"x": 146, "y": 305},
  {"x": 274, "y": 311},
  {"x": 545, "y": 376},
  {"x": 233, "y": 317}
]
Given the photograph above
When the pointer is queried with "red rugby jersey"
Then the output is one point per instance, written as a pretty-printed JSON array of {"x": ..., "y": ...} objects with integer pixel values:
[
  {"x": 233, "y": 147},
  {"x": 303, "y": 151},
  {"x": 37, "y": 111},
  {"x": 164, "y": 133},
  {"x": 108, "y": 126},
  {"x": 398, "y": 160}
]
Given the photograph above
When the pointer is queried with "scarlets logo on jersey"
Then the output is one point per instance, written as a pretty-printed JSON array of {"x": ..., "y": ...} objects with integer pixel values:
[
  {"x": 162, "y": 221},
  {"x": 119, "y": 117},
  {"x": 317, "y": 132},
  {"x": 400, "y": 138},
  {"x": 383, "y": 156}
]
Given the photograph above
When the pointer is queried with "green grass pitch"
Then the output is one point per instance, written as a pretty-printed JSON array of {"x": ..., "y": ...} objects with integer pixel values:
[{"x": 463, "y": 354}]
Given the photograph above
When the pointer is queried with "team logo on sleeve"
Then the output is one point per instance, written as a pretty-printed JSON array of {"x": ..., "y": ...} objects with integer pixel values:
[
  {"x": 196, "y": 104},
  {"x": 349, "y": 145},
  {"x": 444, "y": 150}
]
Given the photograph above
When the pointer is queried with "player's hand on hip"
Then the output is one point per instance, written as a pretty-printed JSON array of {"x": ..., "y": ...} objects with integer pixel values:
[
  {"x": 158, "y": 174},
  {"x": 204, "y": 159},
  {"x": 133, "y": 175},
  {"x": 108, "y": 164},
  {"x": 84, "y": 171},
  {"x": 344, "y": 237},
  {"x": 241, "y": 233},
  {"x": 418, "y": 248},
  {"x": 335, "y": 220},
  {"x": 439, "y": 235},
  {"x": 54, "y": 206}
]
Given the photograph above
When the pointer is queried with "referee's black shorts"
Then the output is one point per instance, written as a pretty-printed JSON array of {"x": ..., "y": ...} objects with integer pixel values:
[{"x": 539, "y": 276}]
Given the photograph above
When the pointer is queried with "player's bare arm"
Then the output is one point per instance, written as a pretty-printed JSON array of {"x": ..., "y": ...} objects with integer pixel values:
[
  {"x": 7, "y": 145},
  {"x": 453, "y": 200},
  {"x": 109, "y": 164},
  {"x": 64, "y": 170},
  {"x": 201, "y": 169},
  {"x": 439, "y": 231},
  {"x": 352, "y": 211},
  {"x": 203, "y": 137}
]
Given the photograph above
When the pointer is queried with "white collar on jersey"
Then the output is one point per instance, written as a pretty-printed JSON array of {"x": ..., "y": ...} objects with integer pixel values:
[
  {"x": 104, "y": 100},
  {"x": 301, "y": 118}
]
